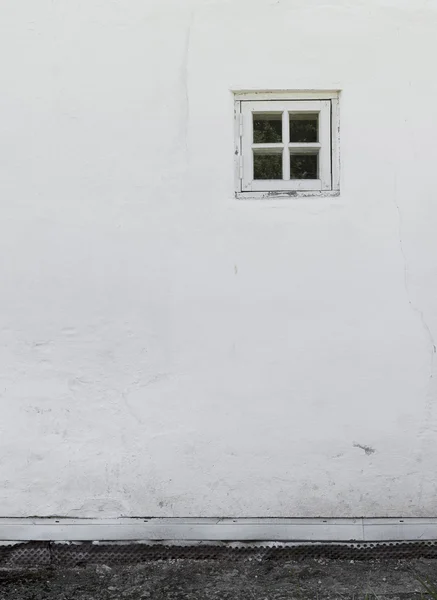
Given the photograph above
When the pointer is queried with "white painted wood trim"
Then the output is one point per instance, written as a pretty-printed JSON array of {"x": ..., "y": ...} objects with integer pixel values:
[
  {"x": 257, "y": 95},
  {"x": 304, "y": 146},
  {"x": 325, "y": 173},
  {"x": 271, "y": 185},
  {"x": 285, "y": 142},
  {"x": 335, "y": 143},
  {"x": 215, "y": 530},
  {"x": 246, "y": 148},
  {"x": 323, "y": 109},
  {"x": 237, "y": 145}
]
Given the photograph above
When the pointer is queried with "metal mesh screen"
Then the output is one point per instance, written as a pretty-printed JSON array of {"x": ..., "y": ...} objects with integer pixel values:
[{"x": 80, "y": 554}]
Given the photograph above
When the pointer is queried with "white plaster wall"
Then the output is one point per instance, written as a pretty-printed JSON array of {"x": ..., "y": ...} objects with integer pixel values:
[{"x": 166, "y": 350}]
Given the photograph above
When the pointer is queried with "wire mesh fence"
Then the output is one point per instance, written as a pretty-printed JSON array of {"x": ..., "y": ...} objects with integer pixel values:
[{"x": 74, "y": 554}]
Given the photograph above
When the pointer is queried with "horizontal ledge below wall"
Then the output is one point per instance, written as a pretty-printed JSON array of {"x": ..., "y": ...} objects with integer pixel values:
[
  {"x": 292, "y": 195},
  {"x": 184, "y": 529}
]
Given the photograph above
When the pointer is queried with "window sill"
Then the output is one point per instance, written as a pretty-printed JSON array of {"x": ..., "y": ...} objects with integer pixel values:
[{"x": 281, "y": 195}]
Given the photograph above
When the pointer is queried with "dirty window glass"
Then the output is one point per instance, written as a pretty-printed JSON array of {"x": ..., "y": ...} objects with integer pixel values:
[
  {"x": 304, "y": 128},
  {"x": 304, "y": 166},
  {"x": 267, "y": 166},
  {"x": 267, "y": 128}
]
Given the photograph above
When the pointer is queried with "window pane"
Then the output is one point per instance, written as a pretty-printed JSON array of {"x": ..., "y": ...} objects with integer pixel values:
[
  {"x": 304, "y": 127},
  {"x": 267, "y": 128},
  {"x": 304, "y": 166},
  {"x": 267, "y": 166}
]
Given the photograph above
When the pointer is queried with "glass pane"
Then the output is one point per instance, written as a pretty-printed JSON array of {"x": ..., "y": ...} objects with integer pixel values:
[
  {"x": 267, "y": 166},
  {"x": 267, "y": 128},
  {"x": 304, "y": 166},
  {"x": 304, "y": 127}
]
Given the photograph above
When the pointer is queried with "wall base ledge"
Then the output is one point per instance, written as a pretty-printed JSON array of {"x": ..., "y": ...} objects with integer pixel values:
[{"x": 206, "y": 529}]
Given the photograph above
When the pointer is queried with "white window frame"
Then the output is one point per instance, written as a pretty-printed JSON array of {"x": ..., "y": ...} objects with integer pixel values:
[{"x": 326, "y": 104}]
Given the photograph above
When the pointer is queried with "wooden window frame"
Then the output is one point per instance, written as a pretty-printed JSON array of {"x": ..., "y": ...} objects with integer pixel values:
[{"x": 326, "y": 104}]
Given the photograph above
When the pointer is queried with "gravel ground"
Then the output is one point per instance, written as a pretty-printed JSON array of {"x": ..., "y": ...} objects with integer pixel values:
[{"x": 242, "y": 579}]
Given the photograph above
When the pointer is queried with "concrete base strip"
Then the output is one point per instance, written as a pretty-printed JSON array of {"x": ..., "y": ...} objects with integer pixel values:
[{"x": 204, "y": 529}]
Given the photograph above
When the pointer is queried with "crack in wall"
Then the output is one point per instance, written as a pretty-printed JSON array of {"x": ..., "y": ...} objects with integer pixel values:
[
  {"x": 185, "y": 76},
  {"x": 418, "y": 311}
]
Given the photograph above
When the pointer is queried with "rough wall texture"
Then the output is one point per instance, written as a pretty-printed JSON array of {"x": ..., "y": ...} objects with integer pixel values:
[{"x": 169, "y": 351}]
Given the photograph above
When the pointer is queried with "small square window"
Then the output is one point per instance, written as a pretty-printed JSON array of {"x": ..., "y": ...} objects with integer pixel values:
[{"x": 287, "y": 143}]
